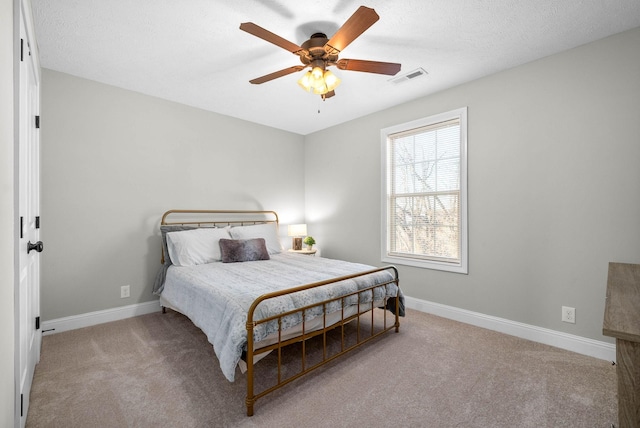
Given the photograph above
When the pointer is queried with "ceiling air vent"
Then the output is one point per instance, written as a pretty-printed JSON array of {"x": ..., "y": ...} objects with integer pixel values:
[{"x": 418, "y": 72}]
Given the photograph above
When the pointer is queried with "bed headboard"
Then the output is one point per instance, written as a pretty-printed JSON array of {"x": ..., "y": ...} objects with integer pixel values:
[
  {"x": 218, "y": 218},
  {"x": 214, "y": 218}
]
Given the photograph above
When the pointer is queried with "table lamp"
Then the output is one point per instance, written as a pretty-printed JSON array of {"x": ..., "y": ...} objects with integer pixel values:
[{"x": 297, "y": 231}]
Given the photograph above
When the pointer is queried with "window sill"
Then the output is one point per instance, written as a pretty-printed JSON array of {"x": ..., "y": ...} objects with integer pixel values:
[{"x": 426, "y": 264}]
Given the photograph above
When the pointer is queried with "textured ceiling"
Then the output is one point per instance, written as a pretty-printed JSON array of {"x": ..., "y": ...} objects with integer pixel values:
[{"x": 192, "y": 51}]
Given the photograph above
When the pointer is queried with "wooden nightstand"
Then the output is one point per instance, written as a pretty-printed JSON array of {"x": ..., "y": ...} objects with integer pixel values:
[{"x": 307, "y": 252}]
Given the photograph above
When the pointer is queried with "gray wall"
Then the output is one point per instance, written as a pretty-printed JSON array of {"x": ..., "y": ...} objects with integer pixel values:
[
  {"x": 7, "y": 237},
  {"x": 554, "y": 186},
  {"x": 114, "y": 160}
]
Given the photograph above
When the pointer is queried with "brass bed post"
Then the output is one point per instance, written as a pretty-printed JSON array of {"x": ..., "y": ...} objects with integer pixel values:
[
  {"x": 250, "y": 400},
  {"x": 397, "y": 281}
]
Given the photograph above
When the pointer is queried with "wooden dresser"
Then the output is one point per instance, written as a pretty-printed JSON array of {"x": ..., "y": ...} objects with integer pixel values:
[{"x": 622, "y": 321}]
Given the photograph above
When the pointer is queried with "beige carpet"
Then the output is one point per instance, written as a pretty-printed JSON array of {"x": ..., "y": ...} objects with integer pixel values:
[{"x": 159, "y": 370}]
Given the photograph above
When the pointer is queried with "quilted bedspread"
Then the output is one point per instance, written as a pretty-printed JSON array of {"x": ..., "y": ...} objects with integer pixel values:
[{"x": 217, "y": 296}]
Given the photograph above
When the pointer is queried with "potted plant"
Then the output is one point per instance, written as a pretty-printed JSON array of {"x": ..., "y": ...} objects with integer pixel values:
[{"x": 309, "y": 241}]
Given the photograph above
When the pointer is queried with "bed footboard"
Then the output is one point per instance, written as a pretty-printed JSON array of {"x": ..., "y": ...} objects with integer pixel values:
[{"x": 362, "y": 310}]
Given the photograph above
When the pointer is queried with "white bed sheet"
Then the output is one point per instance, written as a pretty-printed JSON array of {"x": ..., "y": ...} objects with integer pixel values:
[{"x": 217, "y": 296}]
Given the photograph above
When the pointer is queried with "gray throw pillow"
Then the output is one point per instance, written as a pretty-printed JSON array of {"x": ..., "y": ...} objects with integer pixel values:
[{"x": 243, "y": 250}]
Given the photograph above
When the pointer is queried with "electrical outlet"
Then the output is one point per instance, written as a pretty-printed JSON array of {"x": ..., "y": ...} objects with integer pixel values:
[
  {"x": 569, "y": 314},
  {"x": 125, "y": 291}
]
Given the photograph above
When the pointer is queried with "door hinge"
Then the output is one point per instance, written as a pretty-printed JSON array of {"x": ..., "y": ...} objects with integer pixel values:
[
  {"x": 37, "y": 222},
  {"x": 37, "y": 323},
  {"x": 37, "y": 122},
  {"x": 21, "y": 405},
  {"x": 21, "y": 227},
  {"x": 21, "y": 49}
]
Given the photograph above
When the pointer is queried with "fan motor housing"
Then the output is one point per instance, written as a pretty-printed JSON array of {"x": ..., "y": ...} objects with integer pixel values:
[{"x": 316, "y": 49}]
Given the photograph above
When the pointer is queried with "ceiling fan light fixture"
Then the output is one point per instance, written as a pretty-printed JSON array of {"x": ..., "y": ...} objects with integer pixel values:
[
  {"x": 321, "y": 90},
  {"x": 331, "y": 80},
  {"x": 305, "y": 81},
  {"x": 319, "y": 81},
  {"x": 317, "y": 73}
]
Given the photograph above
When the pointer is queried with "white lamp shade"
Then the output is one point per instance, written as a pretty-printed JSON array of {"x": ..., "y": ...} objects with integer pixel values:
[{"x": 297, "y": 230}]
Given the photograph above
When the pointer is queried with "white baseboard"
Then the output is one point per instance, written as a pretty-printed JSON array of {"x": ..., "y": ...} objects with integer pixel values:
[
  {"x": 581, "y": 345},
  {"x": 92, "y": 318}
]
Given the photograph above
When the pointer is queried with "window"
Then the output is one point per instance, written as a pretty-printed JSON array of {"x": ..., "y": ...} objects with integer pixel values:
[{"x": 424, "y": 179}]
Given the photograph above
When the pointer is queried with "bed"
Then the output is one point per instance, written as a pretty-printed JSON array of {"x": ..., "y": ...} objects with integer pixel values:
[{"x": 228, "y": 272}]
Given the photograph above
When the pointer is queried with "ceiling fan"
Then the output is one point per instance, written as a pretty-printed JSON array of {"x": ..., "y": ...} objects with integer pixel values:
[{"x": 319, "y": 52}]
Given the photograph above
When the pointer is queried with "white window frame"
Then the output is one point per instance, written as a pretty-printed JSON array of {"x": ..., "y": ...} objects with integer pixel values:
[{"x": 463, "y": 265}]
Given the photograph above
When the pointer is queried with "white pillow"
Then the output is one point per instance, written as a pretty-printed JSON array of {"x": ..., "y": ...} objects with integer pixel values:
[
  {"x": 197, "y": 246},
  {"x": 267, "y": 231}
]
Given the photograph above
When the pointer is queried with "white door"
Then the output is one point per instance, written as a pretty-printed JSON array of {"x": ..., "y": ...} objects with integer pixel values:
[{"x": 29, "y": 245}]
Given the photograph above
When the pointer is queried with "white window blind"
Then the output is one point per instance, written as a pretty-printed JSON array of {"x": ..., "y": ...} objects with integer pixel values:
[{"x": 425, "y": 197}]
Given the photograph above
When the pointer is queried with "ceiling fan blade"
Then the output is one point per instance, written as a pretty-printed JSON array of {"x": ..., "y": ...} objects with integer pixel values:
[
  {"x": 270, "y": 37},
  {"x": 276, "y": 74},
  {"x": 357, "y": 24},
  {"x": 389, "y": 68}
]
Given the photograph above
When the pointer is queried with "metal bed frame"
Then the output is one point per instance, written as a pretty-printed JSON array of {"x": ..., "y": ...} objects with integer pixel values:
[{"x": 213, "y": 218}]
